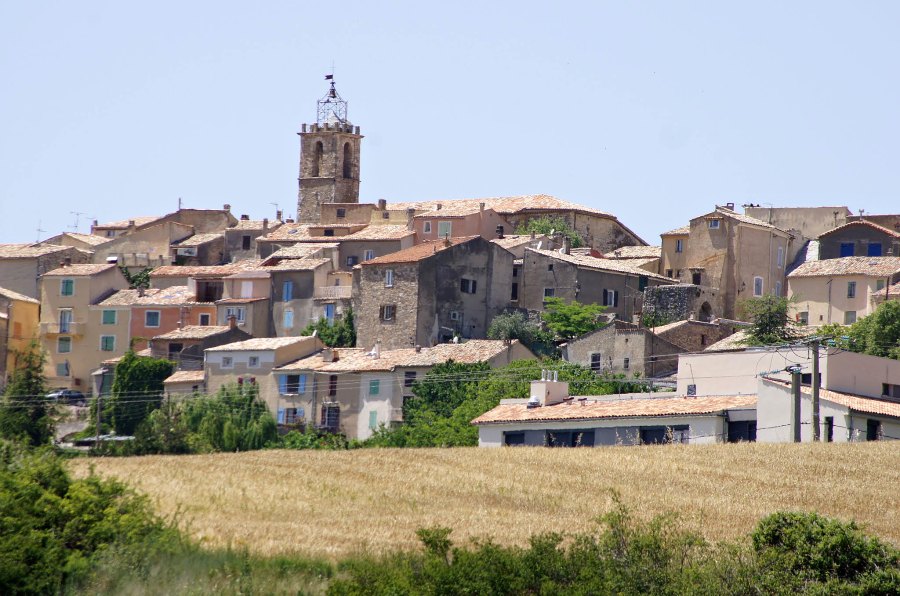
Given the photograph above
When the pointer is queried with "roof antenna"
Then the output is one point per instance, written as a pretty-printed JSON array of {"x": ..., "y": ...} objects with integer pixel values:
[{"x": 39, "y": 231}]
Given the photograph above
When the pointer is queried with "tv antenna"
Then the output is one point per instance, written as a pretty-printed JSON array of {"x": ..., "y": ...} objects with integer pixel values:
[
  {"x": 77, "y": 215},
  {"x": 39, "y": 231}
]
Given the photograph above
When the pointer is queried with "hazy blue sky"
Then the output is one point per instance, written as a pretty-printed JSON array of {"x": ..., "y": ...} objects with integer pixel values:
[{"x": 653, "y": 111}]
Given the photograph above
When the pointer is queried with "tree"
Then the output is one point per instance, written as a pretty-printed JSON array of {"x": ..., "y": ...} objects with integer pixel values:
[
  {"x": 877, "y": 334},
  {"x": 771, "y": 322},
  {"x": 137, "y": 390},
  {"x": 24, "y": 413},
  {"x": 141, "y": 279},
  {"x": 335, "y": 335},
  {"x": 551, "y": 224},
  {"x": 573, "y": 319},
  {"x": 515, "y": 325}
]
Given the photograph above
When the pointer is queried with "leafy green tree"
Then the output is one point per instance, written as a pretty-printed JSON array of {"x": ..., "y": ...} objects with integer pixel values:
[
  {"x": 515, "y": 325},
  {"x": 879, "y": 333},
  {"x": 235, "y": 419},
  {"x": 25, "y": 413},
  {"x": 138, "y": 280},
  {"x": 770, "y": 320},
  {"x": 335, "y": 335},
  {"x": 551, "y": 224},
  {"x": 572, "y": 319},
  {"x": 137, "y": 390}
]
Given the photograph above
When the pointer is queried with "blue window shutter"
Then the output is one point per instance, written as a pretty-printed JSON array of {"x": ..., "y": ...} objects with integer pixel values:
[
  {"x": 874, "y": 249},
  {"x": 280, "y": 415},
  {"x": 302, "y": 384},
  {"x": 847, "y": 249},
  {"x": 282, "y": 384},
  {"x": 288, "y": 290}
]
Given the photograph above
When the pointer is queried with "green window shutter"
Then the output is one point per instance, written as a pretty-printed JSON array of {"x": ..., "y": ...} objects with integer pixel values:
[
  {"x": 373, "y": 420},
  {"x": 109, "y": 317},
  {"x": 374, "y": 386}
]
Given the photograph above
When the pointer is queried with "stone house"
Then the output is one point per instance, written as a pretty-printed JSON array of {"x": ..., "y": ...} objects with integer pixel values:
[
  {"x": 240, "y": 240},
  {"x": 839, "y": 290},
  {"x": 77, "y": 332},
  {"x": 185, "y": 382},
  {"x": 642, "y": 257},
  {"x": 147, "y": 246},
  {"x": 431, "y": 293},
  {"x": 19, "y": 318},
  {"x": 252, "y": 361},
  {"x": 185, "y": 346},
  {"x": 246, "y": 298},
  {"x": 624, "y": 348},
  {"x": 202, "y": 221},
  {"x": 804, "y": 222},
  {"x": 304, "y": 292},
  {"x": 609, "y": 282},
  {"x": 599, "y": 230},
  {"x": 353, "y": 391},
  {"x": 694, "y": 336},
  {"x": 673, "y": 258},
  {"x": 453, "y": 220},
  {"x": 356, "y": 243},
  {"x": 553, "y": 418},
  {"x": 861, "y": 238},
  {"x": 86, "y": 242},
  {"x": 201, "y": 249},
  {"x": 155, "y": 311},
  {"x": 22, "y": 265},
  {"x": 741, "y": 257}
]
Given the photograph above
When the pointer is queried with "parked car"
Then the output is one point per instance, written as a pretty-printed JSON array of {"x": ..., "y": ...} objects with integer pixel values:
[{"x": 68, "y": 396}]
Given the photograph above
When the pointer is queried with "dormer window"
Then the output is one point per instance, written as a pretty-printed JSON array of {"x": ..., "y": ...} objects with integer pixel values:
[
  {"x": 328, "y": 232},
  {"x": 714, "y": 224},
  {"x": 341, "y": 213}
]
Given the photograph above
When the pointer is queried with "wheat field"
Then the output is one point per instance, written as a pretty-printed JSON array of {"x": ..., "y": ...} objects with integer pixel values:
[{"x": 331, "y": 504}]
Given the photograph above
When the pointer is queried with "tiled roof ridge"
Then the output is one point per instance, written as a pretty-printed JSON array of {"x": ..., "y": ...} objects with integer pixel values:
[{"x": 865, "y": 222}]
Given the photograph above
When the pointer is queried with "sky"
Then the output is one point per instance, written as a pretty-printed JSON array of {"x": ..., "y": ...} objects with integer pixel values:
[{"x": 653, "y": 111}]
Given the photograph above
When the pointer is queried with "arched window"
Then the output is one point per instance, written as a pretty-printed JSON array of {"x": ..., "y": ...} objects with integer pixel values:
[
  {"x": 348, "y": 158},
  {"x": 317, "y": 158}
]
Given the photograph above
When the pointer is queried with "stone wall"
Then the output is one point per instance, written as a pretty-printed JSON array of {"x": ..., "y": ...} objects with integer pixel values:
[
  {"x": 322, "y": 177},
  {"x": 682, "y": 301}
]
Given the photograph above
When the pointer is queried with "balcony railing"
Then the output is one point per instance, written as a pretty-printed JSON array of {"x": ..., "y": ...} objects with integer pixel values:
[
  {"x": 332, "y": 292},
  {"x": 71, "y": 328}
]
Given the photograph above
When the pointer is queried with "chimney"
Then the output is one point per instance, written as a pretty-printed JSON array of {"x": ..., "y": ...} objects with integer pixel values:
[
  {"x": 549, "y": 390},
  {"x": 438, "y": 207},
  {"x": 418, "y": 348},
  {"x": 481, "y": 208},
  {"x": 382, "y": 204},
  {"x": 131, "y": 224},
  {"x": 729, "y": 206},
  {"x": 226, "y": 207},
  {"x": 376, "y": 351},
  {"x": 95, "y": 223},
  {"x": 289, "y": 220},
  {"x": 328, "y": 355},
  {"x": 232, "y": 321},
  {"x": 265, "y": 224},
  {"x": 140, "y": 291},
  {"x": 566, "y": 245},
  {"x": 67, "y": 262},
  {"x": 278, "y": 215},
  {"x": 447, "y": 241},
  {"x": 245, "y": 217},
  {"x": 500, "y": 232}
]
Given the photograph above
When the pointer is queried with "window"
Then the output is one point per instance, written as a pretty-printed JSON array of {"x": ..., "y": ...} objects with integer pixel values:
[
  {"x": 803, "y": 317},
  {"x": 287, "y": 291},
  {"x": 873, "y": 430},
  {"x": 879, "y": 284},
  {"x": 643, "y": 280},
  {"x": 550, "y": 267},
  {"x": 329, "y": 312},
  {"x": 109, "y": 317},
  {"x": 668, "y": 273},
  {"x": 352, "y": 260},
  {"x": 62, "y": 369},
  {"x": 238, "y": 312},
  {"x": 227, "y": 362},
  {"x": 387, "y": 312},
  {"x": 702, "y": 339},
  {"x": 851, "y": 289},
  {"x": 151, "y": 318},
  {"x": 374, "y": 387},
  {"x": 610, "y": 298},
  {"x": 389, "y": 278},
  {"x": 445, "y": 228},
  {"x": 849, "y": 317},
  {"x": 514, "y": 295},
  {"x": 66, "y": 287},
  {"x": 332, "y": 385},
  {"x": 874, "y": 249},
  {"x": 662, "y": 435},
  {"x": 245, "y": 242},
  {"x": 64, "y": 345},
  {"x": 348, "y": 160},
  {"x": 626, "y": 364},
  {"x": 467, "y": 286},
  {"x": 253, "y": 362},
  {"x": 373, "y": 420},
  {"x": 847, "y": 249},
  {"x": 328, "y": 232},
  {"x": 317, "y": 159},
  {"x": 779, "y": 260},
  {"x": 696, "y": 277},
  {"x": 890, "y": 390},
  {"x": 289, "y": 318},
  {"x": 203, "y": 319},
  {"x": 331, "y": 417},
  {"x": 777, "y": 290},
  {"x": 829, "y": 429},
  {"x": 596, "y": 362},
  {"x": 409, "y": 378},
  {"x": 341, "y": 213},
  {"x": 692, "y": 389},
  {"x": 107, "y": 343},
  {"x": 368, "y": 255},
  {"x": 566, "y": 438},
  {"x": 715, "y": 224},
  {"x": 549, "y": 292},
  {"x": 757, "y": 286},
  {"x": 679, "y": 245},
  {"x": 385, "y": 215},
  {"x": 291, "y": 416},
  {"x": 426, "y": 227},
  {"x": 65, "y": 320},
  {"x": 292, "y": 384},
  {"x": 513, "y": 439}
]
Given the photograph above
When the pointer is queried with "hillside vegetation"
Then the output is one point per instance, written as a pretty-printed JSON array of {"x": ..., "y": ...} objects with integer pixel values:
[{"x": 336, "y": 503}]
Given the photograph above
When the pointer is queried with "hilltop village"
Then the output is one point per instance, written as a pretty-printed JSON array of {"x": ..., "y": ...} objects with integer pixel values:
[{"x": 229, "y": 299}]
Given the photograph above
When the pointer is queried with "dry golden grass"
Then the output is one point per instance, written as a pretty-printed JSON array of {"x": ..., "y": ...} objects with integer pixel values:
[{"x": 336, "y": 503}]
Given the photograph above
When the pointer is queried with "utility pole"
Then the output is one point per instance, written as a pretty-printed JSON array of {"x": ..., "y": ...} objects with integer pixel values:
[
  {"x": 795, "y": 403},
  {"x": 97, "y": 440},
  {"x": 814, "y": 346}
]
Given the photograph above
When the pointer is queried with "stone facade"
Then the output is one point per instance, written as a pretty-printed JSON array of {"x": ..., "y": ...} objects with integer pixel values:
[
  {"x": 21, "y": 267},
  {"x": 624, "y": 348},
  {"x": 682, "y": 301},
  {"x": 859, "y": 239},
  {"x": 329, "y": 168},
  {"x": 694, "y": 336}
]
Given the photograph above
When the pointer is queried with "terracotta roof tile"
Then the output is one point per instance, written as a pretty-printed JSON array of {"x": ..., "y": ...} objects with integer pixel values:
[
  {"x": 195, "y": 332},
  {"x": 635, "y": 252},
  {"x": 299, "y": 264},
  {"x": 140, "y": 221},
  {"x": 453, "y": 209},
  {"x": 862, "y": 223},
  {"x": 88, "y": 238},
  {"x": 259, "y": 343},
  {"x": 205, "y": 270},
  {"x": 682, "y": 231},
  {"x": 301, "y": 250},
  {"x": 297, "y": 232},
  {"x": 85, "y": 269},
  {"x": 198, "y": 239},
  {"x": 724, "y": 211},
  {"x": 502, "y": 205},
  {"x": 251, "y": 225},
  {"x": 859, "y": 403},
  {"x": 29, "y": 251},
  {"x": 171, "y": 296},
  {"x": 513, "y": 240},
  {"x": 17, "y": 296},
  {"x": 418, "y": 252},
  {"x": 868, "y": 266},
  {"x": 612, "y": 265},
  {"x": 628, "y": 408},
  {"x": 893, "y": 291},
  {"x": 359, "y": 360},
  {"x": 185, "y": 376}
]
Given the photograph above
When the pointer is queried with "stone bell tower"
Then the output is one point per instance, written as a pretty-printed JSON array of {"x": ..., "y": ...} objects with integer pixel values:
[{"x": 329, "y": 158}]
